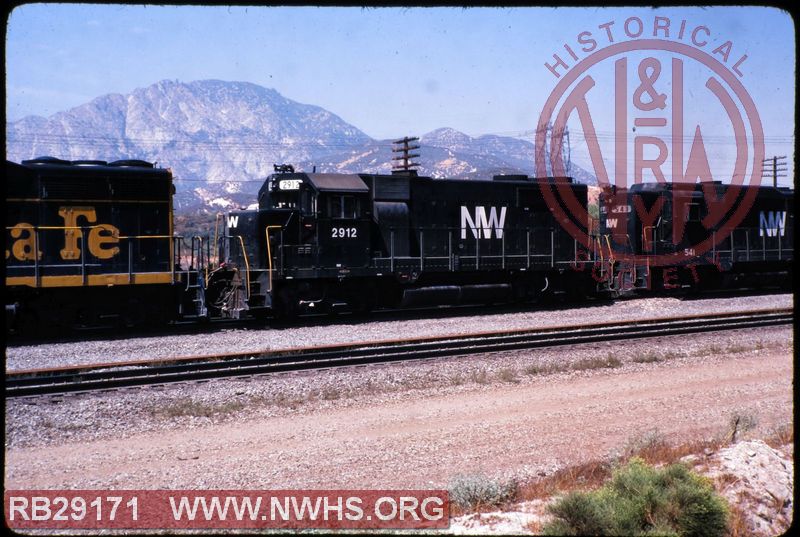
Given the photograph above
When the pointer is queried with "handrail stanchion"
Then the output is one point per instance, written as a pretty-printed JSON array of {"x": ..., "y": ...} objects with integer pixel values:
[
  {"x": 528, "y": 249},
  {"x": 246, "y": 265},
  {"x": 478, "y": 250},
  {"x": 503, "y": 250},
  {"x": 421, "y": 250},
  {"x": 450, "y": 249},
  {"x": 83, "y": 257},
  {"x": 391, "y": 250},
  {"x": 130, "y": 263},
  {"x": 36, "y": 275}
]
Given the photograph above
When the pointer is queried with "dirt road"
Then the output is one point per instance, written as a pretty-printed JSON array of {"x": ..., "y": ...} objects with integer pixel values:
[{"x": 422, "y": 438}]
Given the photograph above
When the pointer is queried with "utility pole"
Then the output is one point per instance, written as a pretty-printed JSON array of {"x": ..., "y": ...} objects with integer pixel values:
[
  {"x": 405, "y": 146},
  {"x": 773, "y": 166},
  {"x": 563, "y": 149}
]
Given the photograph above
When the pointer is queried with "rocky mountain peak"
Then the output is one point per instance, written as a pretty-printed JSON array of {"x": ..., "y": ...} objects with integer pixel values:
[{"x": 222, "y": 138}]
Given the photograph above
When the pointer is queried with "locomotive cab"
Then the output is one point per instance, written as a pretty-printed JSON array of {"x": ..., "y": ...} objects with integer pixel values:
[
  {"x": 310, "y": 233},
  {"x": 315, "y": 221}
]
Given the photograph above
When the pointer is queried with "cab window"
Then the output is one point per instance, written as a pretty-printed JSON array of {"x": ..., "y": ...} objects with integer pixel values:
[
  {"x": 284, "y": 200},
  {"x": 342, "y": 206}
]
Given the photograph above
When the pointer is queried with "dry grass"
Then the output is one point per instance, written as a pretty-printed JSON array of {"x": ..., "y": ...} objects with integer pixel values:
[
  {"x": 480, "y": 377},
  {"x": 282, "y": 399},
  {"x": 457, "y": 379},
  {"x": 199, "y": 409},
  {"x": 737, "y": 522},
  {"x": 780, "y": 436},
  {"x": 329, "y": 393},
  {"x": 652, "y": 356},
  {"x": 651, "y": 448},
  {"x": 609, "y": 361},
  {"x": 646, "y": 358},
  {"x": 589, "y": 475},
  {"x": 508, "y": 375},
  {"x": 536, "y": 369}
]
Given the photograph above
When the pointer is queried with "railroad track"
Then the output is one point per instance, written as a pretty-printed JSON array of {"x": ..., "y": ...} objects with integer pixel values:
[{"x": 195, "y": 368}]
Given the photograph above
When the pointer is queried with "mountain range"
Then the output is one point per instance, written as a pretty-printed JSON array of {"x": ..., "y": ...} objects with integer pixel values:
[{"x": 221, "y": 140}]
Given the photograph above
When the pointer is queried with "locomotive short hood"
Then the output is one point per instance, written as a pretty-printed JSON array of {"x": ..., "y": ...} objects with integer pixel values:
[{"x": 321, "y": 182}]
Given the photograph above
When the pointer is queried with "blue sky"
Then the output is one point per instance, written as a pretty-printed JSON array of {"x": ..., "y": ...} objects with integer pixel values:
[{"x": 388, "y": 71}]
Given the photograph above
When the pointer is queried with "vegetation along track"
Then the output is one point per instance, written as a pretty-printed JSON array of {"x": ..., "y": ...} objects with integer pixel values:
[{"x": 119, "y": 375}]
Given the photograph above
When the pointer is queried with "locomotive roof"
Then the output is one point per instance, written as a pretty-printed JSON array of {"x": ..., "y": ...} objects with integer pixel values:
[
  {"x": 652, "y": 187},
  {"x": 338, "y": 182},
  {"x": 55, "y": 166},
  {"x": 325, "y": 182}
]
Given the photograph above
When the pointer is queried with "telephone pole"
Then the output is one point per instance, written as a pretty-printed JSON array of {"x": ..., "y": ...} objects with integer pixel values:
[
  {"x": 563, "y": 149},
  {"x": 774, "y": 166},
  {"x": 405, "y": 146}
]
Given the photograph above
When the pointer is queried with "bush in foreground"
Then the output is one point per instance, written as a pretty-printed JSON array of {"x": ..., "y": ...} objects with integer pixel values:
[
  {"x": 642, "y": 500},
  {"x": 474, "y": 491}
]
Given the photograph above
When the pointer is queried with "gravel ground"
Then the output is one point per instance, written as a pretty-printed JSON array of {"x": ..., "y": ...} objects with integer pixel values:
[
  {"x": 254, "y": 339},
  {"x": 364, "y": 425}
]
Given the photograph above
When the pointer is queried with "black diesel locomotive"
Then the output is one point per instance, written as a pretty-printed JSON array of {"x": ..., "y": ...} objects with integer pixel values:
[
  {"x": 89, "y": 242},
  {"x": 322, "y": 241},
  {"x": 659, "y": 231}
]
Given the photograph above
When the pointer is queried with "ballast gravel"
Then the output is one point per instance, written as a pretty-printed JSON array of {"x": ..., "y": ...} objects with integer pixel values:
[
  {"x": 260, "y": 337},
  {"x": 125, "y": 413}
]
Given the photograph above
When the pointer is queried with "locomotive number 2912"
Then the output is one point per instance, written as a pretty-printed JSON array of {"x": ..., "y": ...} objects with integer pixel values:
[{"x": 344, "y": 232}]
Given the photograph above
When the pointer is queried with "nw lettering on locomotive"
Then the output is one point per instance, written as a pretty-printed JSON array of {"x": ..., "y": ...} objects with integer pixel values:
[
  {"x": 771, "y": 222},
  {"x": 101, "y": 240},
  {"x": 483, "y": 223}
]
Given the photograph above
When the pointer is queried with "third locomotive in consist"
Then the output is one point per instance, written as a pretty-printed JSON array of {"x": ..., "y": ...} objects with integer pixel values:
[
  {"x": 659, "y": 231},
  {"x": 90, "y": 242}
]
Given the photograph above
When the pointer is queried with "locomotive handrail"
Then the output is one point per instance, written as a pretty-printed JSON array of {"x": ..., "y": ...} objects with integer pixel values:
[
  {"x": 216, "y": 226},
  {"x": 645, "y": 240},
  {"x": 600, "y": 248},
  {"x": 610, "y": 250},
  {"x": 93, "y": 226},
  {"x": 246, "y": 264},
  {"x": 269, "y": 254},
  {"x": 199, "y": 241},
  {"x": 736, "y": 254}
]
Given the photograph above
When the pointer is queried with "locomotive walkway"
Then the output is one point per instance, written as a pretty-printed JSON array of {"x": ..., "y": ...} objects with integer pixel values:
[{"x": 99, "y": 377}]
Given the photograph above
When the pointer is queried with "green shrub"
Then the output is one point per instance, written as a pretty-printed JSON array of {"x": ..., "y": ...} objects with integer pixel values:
[
  {"x": 642, "y": 500},
  {"x": 473, "y": 491}
]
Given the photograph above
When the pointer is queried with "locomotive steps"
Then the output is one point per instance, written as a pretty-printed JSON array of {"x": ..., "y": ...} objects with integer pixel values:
[{"x": 196, "y": 368}]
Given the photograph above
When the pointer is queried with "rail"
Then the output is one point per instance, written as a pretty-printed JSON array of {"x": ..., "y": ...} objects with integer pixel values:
[{"x": 112, "y": 376}]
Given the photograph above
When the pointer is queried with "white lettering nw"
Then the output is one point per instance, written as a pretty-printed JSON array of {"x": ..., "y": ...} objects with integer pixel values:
[
  {"x": 481, "y": 222},
  {"x": 773, "y": 222}
]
